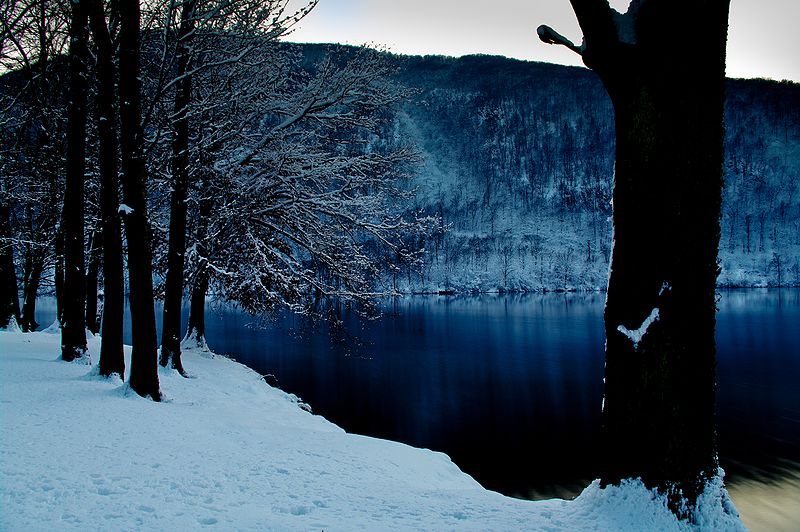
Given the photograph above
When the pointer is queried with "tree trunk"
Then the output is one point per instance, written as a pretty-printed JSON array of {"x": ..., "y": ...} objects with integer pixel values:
[
  {"x": 666, "y": 82},
  {"x": 92, "y": 271},
  {"x": 9, "y": 294},
  {"x": 58, "y": 273},
  {"x": 34, "y": 264},
  {"x": 173, "y": 295},
  {"x": 73, "y": 331},
  {"x": 144, "y": 352},
  {"x": 658, "y": 420},
  {"x": 196, "y": 330},
  {"x": 111, "y": 352}
]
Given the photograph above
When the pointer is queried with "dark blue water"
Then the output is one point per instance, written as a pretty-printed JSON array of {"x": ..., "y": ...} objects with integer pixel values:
[{"x": 510, "y": 386}]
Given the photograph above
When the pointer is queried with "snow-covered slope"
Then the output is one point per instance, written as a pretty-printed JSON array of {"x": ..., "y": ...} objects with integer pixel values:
[
  {"x": 225, "y": 451},
  {"x": 519, "y": 160}
]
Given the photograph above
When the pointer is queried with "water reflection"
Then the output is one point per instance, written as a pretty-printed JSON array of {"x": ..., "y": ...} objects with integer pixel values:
[
  {"x": 758, "y": 404},
  {"x": 510, "y": 386},
  {"x": 769, "y": 503},
  {"x": 498, "y": 383}
]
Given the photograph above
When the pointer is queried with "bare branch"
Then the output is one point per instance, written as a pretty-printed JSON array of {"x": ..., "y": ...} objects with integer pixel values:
[{"x": 550, "y": 36}]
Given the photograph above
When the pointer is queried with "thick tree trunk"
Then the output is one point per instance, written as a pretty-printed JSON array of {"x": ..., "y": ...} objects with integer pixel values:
[
  {"x": 111, "y": 354},
  {"x": 92, "y": 271},
  {"x": 658, "y": 419},
  {"x": 144, "y": 353},
  {"x": 663, "y": 64},
  {"x": 173, "y": 295},
  {"x": 73, "y": 331},
  {"x": 9, "y": 294}
]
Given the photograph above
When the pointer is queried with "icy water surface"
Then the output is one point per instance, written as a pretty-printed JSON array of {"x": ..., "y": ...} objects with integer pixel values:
[{"x": 510, "y": 387}]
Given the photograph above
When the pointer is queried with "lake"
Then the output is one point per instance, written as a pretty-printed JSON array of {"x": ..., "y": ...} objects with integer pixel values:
[{"x": 510, "y": 386}]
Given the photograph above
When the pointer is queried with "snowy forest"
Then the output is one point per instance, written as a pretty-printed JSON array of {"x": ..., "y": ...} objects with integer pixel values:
[
  {"x": 518, "y": 163},
  {"x": 163, "y": 155},
  {"x": 505, "y": 166}
]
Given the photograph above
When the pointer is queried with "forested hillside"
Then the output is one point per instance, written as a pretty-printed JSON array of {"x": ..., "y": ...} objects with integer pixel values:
[{"x": 519, "y": 160}]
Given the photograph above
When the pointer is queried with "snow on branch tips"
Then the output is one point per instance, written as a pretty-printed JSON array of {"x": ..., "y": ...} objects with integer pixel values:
[{"x": 308, "y": 155}]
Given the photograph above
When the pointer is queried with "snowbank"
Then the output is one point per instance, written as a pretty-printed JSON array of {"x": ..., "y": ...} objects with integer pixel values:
[{"x": 226, "y": 451}]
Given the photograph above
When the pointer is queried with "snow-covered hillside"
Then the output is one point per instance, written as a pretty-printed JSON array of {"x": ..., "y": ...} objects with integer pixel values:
[
  {"x": 519, "y": 158},
  {"x": 225, "y": 451}
]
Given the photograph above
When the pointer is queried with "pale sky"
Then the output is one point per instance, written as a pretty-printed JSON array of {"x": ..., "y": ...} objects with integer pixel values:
[{"x": 763, "y": 40}]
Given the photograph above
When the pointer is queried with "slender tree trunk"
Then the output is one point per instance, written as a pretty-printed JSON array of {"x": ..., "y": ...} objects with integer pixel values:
[
  {"x": 59, "y": 272},
  {"x": 73, "y": 331},
  {"x": 173, "y": 296},
  {"x": 196, "y": 330},
  {"x": 111, "y": 352},
  {"x": 9, "y": 294},
  {"x": 144, "y": 353},
  {"x": 667, "y": 88},
  {"x": 33, "y": 278},
  {"x": 92, "y": 271}
]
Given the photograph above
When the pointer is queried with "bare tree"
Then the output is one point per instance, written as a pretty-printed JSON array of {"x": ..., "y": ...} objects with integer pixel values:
[
  {"x": 111, "y": 351},
  {"x": 210, "y": 35},
  {"x": 73, "y": 331},
  {"x": 305, "y": 186},
  {"x": 144, "y": 361},
  {"x": 33, "y": 36},
  {"x": 663, "y": 64},
  {"x": 9, "y": 295}
]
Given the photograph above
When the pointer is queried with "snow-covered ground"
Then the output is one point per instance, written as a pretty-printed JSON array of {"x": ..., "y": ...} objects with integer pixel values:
[{"x": 226, "y": 451}]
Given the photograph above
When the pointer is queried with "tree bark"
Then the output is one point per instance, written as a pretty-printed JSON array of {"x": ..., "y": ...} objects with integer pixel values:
[
  {"x": 666, "y": 82},
  {"x": 92, "y": 271},
  {"x": 58, "y": 273},
  {"x": 173, "y": 295},
  {"x": 32, "y": 278},
  {"x": 73, "y": 331},
  {"x": 196, "y": 330},
  {"x": 144, "y": 352},
  {"x": 111, "y": 352},
  {"x": 9, "y": 294}
]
